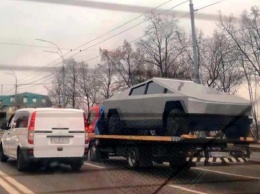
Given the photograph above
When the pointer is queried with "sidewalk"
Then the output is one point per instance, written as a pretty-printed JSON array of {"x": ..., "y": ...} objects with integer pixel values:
[{"x": 255, "y": 157}]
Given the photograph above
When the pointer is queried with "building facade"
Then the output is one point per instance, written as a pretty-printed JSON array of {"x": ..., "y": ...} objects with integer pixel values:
[{"x": 9, "y": 103}]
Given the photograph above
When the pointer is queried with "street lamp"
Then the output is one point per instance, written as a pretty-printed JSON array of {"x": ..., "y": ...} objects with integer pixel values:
[
  {"x": 14, "y": 75},
  {"x": 63, "y": 69}
]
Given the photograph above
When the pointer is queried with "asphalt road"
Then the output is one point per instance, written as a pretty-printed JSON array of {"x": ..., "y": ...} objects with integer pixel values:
[{"x": 113, "y": 177}]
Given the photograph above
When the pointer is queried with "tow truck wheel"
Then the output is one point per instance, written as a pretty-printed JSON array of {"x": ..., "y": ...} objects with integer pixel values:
[
  {"x": 94, "y": 153},
  {"x": 3, "y": 157},
  {"x": 132, "y": 158},
  {"x": 114, "y": 124},
  {"x": 179, "y": 161},
  {"x": 176, "y": 124}
]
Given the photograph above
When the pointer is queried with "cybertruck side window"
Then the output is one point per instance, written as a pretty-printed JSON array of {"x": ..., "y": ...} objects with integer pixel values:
[
  {"x": 154, "y": 88},
  {"x": 138, "y": 90}
]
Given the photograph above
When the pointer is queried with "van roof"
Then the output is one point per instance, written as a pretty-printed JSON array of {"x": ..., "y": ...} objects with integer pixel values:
[{"x": 50, "y": 109}]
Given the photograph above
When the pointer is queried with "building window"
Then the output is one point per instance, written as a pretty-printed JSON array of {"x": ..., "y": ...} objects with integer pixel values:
[
  {"x": 44, "y": 101},
  {"x": 12, "y": 99},
  {"x": 25, "y": 99},
  {"x": 34, "y": 100}
]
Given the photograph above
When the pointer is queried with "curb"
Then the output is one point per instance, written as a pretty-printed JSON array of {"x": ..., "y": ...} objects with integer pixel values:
[{"x": 254, "y": 161}]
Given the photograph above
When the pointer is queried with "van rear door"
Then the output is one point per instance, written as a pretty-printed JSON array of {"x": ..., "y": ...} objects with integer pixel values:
[{"x": 59, "y": 133}]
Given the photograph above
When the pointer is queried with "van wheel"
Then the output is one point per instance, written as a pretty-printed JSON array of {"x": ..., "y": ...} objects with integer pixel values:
[
  {"x": 114, "y": 124},
  {"x": 22, "y": 164},
  {"x": 132, "y": 158},
  {"x": 76, "y": 165},
  {"x": 176, "y": 123},
  {"x": 3, "y": 157}
]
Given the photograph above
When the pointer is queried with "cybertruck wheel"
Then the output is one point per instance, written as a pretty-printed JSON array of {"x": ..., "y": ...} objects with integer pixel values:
[
  {"x": 235, "y": 132},
  {"x": 176, "y": 123},
  {"x": 114, "y": 124}
]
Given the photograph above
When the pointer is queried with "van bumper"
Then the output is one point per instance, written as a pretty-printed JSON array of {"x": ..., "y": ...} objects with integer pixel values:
[{"x": 28, "y": 156}]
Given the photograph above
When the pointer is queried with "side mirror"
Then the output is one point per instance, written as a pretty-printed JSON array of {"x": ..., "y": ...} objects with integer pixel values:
[{"x": 4, "y": 126}]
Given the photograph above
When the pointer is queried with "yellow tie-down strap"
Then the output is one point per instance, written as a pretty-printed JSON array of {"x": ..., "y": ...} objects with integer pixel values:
[{"x": 142, "y": 138}]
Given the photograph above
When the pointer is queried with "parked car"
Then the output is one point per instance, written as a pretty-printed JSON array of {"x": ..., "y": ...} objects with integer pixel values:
[
  {"x": 45, "y": 135},
  {"x": 175, "y": 107}
]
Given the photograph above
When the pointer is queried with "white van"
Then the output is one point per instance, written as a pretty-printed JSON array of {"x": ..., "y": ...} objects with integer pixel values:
[{"x": 45, "y": 134}]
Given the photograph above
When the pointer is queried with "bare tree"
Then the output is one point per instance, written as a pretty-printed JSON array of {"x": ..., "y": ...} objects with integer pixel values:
[
  {"x": 219, "y": 66},
  {"x": 55, "y": 92},
  {"x": 125, "y": 61},
  {"x": 89, "y": 86},
  {"x": 246, "y": 37},
  {"x": 72, "y": 81},
  {"x": 164, "y": 45}
]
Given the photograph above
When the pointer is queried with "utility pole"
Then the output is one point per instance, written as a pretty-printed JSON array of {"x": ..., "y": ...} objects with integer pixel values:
[
  {"x": 16, "y": 86},
  {"x": 194, "y": 44},
  {"x": 63, "y": 68}
]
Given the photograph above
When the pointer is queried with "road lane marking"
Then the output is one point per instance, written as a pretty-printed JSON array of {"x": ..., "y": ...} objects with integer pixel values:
[
  {"x": 93, "y": 165},
  {"x": 226, "y": 173},
  {"x": 186, "y": 189},
  {"x": 15, "y": 183},
  {"x": 8, "y": 187}
]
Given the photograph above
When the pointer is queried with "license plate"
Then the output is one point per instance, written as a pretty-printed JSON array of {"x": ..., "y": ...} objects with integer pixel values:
[
  {"x": 60, "y": 140},
  {"x": 219, "y": 154}
]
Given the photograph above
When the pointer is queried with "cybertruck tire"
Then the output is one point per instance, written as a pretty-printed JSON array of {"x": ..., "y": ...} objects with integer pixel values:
[
  {"x": 114, "y": 124},
  {"x": 176, "y": 124}
]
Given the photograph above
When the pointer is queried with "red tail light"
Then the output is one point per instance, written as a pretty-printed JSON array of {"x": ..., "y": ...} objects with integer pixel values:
[
  {"x": 31, "y": 128},
  {"x": 86, "y": 129},
  {"x": 85, "y": 122}
]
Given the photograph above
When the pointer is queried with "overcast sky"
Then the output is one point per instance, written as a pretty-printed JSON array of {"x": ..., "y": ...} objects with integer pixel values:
[{"x": 70, "y": 25}]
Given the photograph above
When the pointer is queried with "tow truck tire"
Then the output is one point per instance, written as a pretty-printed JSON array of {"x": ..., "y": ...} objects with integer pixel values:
[
  {"x": 3, "y": 157},
  {"x": 94, "y": 153},
  {"x": 114, "y": 124},
  {"x": 76, "y": 165},
  {"x": 179, "y": 161},
  {"x": 22, "y": 164},
  {"x": 176, "y": 123},
  {"x": 132, "y": 158}
]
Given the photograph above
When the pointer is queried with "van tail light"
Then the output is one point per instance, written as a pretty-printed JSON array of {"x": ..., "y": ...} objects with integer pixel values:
[
  {"x": 86, "y": 129},
  {"x": 31, "y": 128}
]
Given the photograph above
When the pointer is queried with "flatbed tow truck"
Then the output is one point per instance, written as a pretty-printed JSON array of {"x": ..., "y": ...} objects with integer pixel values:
[{"x": 186, "y": 151}]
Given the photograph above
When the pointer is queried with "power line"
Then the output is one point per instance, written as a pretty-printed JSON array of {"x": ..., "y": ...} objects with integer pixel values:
[
  {"x": 124, "y": 31},
  {"x": 32, "y": 45},
  {"x": 107, "y": 33},
  {"x": 127, "y": 30},
  {"x": 121, "y": 33},
  {"x": 119, "y": 7},
  {"x": 209, "y": 5}
]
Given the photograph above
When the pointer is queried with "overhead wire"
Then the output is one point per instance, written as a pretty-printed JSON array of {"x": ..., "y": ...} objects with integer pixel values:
[
  {"x": 175, "y": 6},
  {"x": 140, "y": 36},
  {"x": 123, "y": 32},
  {"x": 114, "y": 29}
]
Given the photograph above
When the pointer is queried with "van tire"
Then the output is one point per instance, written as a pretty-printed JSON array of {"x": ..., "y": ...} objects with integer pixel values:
[
  {"x": 22, "y": 164},
  {"x": 76, "y": 165},
  {"x": 114, "y": 124},
  {"x": 3, "y": 157}
]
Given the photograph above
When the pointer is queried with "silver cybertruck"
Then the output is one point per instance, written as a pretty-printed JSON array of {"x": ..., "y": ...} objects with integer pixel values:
[{"x": 176, "y": 107}]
